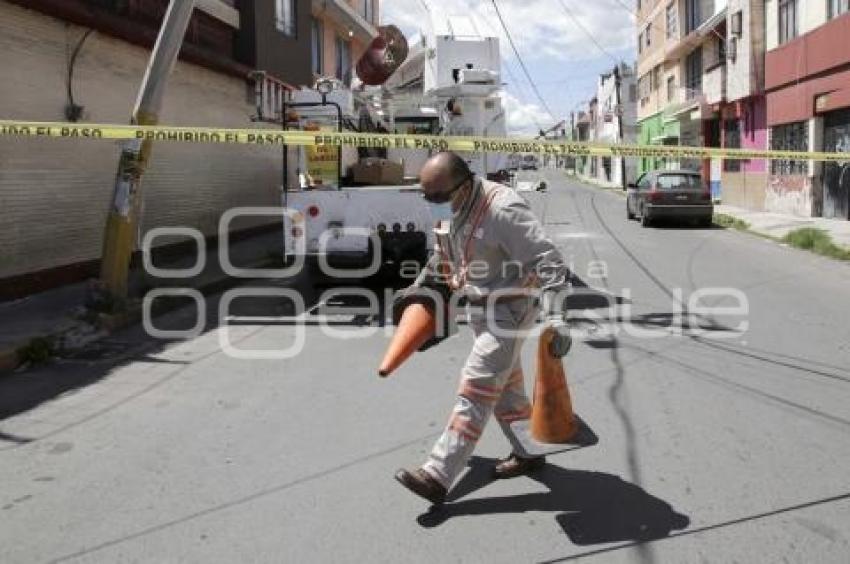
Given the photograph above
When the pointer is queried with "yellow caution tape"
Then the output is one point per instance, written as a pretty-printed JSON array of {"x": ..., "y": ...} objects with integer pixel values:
[{"x": 314, "y": 138}]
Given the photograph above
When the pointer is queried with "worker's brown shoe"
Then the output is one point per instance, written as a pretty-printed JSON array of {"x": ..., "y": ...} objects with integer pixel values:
[
  {"x": 514, "y": 466},
  {"x": 422, "y": 484}
]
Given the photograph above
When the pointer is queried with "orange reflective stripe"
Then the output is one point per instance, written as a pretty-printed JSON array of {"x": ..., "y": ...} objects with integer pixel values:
[
  {"x": 518, "y": 415},
  {"x": 464, "y": 427},
  {"x": 516, "y": 378},
  {"x": 486, "y": 394}
]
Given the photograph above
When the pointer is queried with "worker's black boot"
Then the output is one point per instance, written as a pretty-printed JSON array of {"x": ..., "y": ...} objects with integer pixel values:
[
  {"x": 515, "y": 465},
  {"x": 422, "y": 484}
]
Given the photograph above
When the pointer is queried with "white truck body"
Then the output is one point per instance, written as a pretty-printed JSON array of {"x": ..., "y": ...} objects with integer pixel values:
[
  {"x": 449, "y": 85},
  {"x": 341, "y": 222}
]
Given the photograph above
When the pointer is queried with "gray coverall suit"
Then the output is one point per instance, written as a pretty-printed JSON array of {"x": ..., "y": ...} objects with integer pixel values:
[{"x": 496, "y": 228}]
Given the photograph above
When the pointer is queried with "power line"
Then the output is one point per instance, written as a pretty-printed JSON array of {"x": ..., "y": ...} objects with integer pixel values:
[
  {"x": 516, "y": 83},
  {"x": 522, "y": 63},
  {"x": 588, "y": 33},
  {"x": 632, "y": 10}
]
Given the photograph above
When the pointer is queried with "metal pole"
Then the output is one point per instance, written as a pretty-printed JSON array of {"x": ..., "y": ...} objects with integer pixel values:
[{"x": 122, "y": 225}]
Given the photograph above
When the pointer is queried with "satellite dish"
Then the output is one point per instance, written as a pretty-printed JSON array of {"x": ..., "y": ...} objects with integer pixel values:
[{"x": 383, "y": 56}]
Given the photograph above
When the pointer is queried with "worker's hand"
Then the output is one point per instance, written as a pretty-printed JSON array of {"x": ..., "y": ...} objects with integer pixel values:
[{"x": 561, "y": 342}]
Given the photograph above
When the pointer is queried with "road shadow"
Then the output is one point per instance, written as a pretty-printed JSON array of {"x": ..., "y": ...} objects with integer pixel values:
[
  {"x": 591, "y": 507},
  {"x": 74, "y": 370}
]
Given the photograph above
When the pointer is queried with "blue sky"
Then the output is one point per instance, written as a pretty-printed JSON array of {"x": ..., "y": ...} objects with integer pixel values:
[{"x": 553, "y": 38}]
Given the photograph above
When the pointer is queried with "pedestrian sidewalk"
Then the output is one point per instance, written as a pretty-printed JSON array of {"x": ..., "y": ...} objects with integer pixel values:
[
  {"x": 778, "y": 225},
  {"x": 59, "y": 319}
]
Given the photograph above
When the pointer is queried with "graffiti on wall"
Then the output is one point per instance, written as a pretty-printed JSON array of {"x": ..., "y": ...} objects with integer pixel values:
[{"x": 789, "y": 195}]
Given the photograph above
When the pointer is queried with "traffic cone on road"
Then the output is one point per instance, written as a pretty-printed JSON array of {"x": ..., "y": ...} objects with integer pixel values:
[
  {"x": 552, "y": 417},
  {"x": 417, "y": 326}
]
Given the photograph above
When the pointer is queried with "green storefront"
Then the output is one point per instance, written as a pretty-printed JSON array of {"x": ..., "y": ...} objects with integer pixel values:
[{"x": 655, "y": 130}]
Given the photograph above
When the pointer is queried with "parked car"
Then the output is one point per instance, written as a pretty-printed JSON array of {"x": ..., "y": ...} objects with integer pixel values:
[
  {"x": 529, "y": 162},
  {"x": 669, "y": 194}
]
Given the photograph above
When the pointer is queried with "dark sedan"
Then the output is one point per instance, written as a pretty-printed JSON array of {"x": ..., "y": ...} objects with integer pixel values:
[{"x": 669, "y": 194}]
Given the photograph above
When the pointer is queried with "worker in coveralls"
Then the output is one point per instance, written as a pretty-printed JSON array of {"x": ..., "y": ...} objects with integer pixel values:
[{"x": 490, "y": 225}]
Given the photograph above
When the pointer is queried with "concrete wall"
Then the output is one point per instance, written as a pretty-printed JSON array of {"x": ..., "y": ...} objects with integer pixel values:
[
  {"x": 790, "y": 195},
  {"x": 55, "y": 194},
  {"x": 754, "y": 134}
]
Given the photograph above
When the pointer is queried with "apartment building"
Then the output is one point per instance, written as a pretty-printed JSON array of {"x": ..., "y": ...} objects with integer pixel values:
[
  {"x": 807, "y": 80},
  {"x": 701, "y": 83},
  {"x": 615, "y": 122},
  {"x": 658, "y": 77},
  {"x": 340, "y": 30}
]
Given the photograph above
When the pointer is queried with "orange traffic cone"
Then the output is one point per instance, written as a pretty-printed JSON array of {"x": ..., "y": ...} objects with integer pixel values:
[
  {"x": 418, "y": 325},
  {"x": 552, "y": 417}
]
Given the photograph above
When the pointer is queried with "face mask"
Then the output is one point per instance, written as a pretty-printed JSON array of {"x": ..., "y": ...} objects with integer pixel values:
[{"x": 441, "y": 212}]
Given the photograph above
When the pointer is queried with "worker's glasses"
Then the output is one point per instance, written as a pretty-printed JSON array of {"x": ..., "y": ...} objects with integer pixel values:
[{"x": 445, "y": 197}]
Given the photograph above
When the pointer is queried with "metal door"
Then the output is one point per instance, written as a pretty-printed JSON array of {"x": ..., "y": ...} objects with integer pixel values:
[{"x": 836, "y": 176}]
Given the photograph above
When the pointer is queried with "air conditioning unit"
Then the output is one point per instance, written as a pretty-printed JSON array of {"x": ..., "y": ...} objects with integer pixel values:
[{"x": 737, "y": 23}]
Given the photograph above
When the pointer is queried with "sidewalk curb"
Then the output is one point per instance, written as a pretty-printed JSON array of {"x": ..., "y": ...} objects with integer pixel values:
[
  {"x": 765, "y": 233},
  {"x": 12, "y": 356}
]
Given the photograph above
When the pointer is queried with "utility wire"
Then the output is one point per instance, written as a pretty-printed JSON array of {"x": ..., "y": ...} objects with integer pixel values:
[
  {"x": 588, "y": 33},
  {"x": 630, "y": 9},
  {"x": 522, "y": 63},
  {"x": 521, "y": 94}
]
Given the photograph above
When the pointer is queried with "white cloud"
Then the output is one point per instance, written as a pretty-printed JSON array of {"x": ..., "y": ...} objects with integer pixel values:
[{"x": 524, "y": 118}]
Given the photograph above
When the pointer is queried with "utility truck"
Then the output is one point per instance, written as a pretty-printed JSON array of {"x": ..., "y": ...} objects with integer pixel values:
[{"x": 362, "y": 208}]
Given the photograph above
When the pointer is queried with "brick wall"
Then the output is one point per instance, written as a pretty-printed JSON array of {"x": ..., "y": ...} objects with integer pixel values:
[{"x": 54, "y": 194}]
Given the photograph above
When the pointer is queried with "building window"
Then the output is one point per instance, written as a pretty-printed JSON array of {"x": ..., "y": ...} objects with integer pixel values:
[
  {"x": 368, "y": 11},
  {"x": 643, "y": 87},
  {"x": 732, "y": 140},
  {"x": 693, "y": 15},
  {"x": 787, "y": 20},
  {"x": 343, "y": 60},
  {"x": 671, "y": 88},
  {"x": 316, "y": 40},
  {"x": 716, "y": 55},
  {"x": 632, "y": 92},
  {"x": 285, "y": 17},
  {"x": 648, "y": 34},
  {"x": 640, "y": 42},
  {"x": 656, "y": 79},
  {"x": 838, "y": 7},
  {"x": 693, "y": 73},
  {"x": 672, "y": 21},
  {"x": 790, "y": 137}
]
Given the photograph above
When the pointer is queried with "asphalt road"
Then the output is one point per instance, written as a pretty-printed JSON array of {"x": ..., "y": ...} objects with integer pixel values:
[{"x": 718, "y": 386}]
